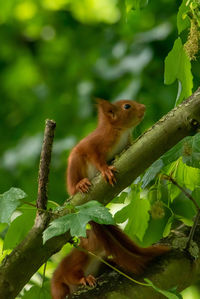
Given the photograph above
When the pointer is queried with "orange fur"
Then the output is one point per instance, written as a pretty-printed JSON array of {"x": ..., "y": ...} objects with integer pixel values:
[
  {"x": 105, "y": 241},
  {"x": 99, "y": 147},
  {"x": 90, "y": 155}
]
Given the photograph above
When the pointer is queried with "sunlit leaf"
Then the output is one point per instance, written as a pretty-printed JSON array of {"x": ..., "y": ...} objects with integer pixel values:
[
  {"x": 121, "y": 198},
  {"x": 186, "y": 176},
  {"x": 183, "y": 20},
  {"x": 167, "y": 229},
  {"x": 174, "y": 191},
  {"x": 17, "y": 230},
  {"x": 178, "y": 67},
  {"x": 137, "y": 213}
]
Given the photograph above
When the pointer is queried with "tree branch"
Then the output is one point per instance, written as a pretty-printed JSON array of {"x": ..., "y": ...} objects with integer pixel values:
[
  {"x": 165, "y": 272},
  {"x": 180, "y": 122},
  {"x": 17, "y": 268},
  {"x": 45, "y": 160}
]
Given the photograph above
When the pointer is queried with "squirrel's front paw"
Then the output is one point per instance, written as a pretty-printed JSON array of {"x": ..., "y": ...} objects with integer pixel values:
[
  {"x": 83, "y": 185},
  {"x": 108, "y": 174}
]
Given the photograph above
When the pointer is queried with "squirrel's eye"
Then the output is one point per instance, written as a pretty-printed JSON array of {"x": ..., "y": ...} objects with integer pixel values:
[{"x": 127, "y": 106}]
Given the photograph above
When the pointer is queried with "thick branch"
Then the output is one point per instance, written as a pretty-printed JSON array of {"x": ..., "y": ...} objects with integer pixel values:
[
  {"x": 18, "y": 267},
  {"x": 45, "y": 159},
  {"x": 180, "y": 122},
  {"x": 165, "y": 272}
]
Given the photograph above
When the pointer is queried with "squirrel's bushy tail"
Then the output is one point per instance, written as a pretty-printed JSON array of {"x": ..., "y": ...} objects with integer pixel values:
[{"x": 124, "y": 251}]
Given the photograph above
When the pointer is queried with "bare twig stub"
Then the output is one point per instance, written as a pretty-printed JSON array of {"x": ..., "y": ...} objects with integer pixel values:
[{"x": 45, "y": 160}]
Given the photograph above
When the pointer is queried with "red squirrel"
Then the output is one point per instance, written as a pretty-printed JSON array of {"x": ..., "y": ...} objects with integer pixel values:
[{"x": 89, "y": 156}]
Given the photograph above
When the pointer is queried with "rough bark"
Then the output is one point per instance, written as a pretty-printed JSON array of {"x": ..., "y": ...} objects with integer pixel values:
[{"x": 17, "y": 268}]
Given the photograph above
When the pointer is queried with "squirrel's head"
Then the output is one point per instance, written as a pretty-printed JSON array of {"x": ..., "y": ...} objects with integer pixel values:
[{"x": 123, "y": 114}]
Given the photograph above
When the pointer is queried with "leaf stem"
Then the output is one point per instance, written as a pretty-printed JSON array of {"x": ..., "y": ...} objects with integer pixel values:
[
  {"x": 192, "y": 231},
  {"x": 187, "y": 194},
  {"x": 29, "y": 203},
  {"x": 43, "y": 275}
]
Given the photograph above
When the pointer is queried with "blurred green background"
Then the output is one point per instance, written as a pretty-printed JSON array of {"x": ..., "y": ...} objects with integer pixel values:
[{"x": 56, "y": 56}]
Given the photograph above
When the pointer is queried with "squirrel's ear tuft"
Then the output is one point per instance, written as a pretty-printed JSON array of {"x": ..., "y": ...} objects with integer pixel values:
[
  {"x": 107, "y": 108},
  {"x": 99, "y": 101}
]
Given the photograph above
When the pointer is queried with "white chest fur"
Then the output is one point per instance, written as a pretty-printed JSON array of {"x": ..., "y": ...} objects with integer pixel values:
[
  {"x": 120, "y": 145},
  {"x": 91, "y": 171}
]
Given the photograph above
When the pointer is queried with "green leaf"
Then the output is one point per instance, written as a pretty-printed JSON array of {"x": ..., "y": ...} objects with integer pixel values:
[
  {"x": 154, "y": 194},
  {"x": 167, "y": 229},
  {"x": 188, "y": 148},
  {"x": 191, "y": 151},
  {"x": 155, "y": 229},
  {"x": 174, "y": 153},
  {"x": 76, "y": 222},
  {"x": 171, "y": 294},
  {"x": 183, "y": 20},
  {"x": 123, "y": 214},
  {"x": 196, "y": 195},
  {"x": 120, "y": 198},
  {"x": 174, "y": 191},
  {"x": 137, "y": 213},
  {"x": 3, "y": 230},
  {"x": 38, "y": 292},
  {"x": 186, "y": 176},
  {"x": 151, "y": 172},
  {"x": 178, "y": 67},
  {"x": 183, "y": 208},
  {"x": 96, "y": 212},
  {"x": 17, "y": 230},
  {"x": 9, "y": 201}
]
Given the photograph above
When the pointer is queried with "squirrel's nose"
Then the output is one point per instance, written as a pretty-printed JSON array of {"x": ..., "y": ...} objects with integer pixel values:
[
  {"x": 142, "y": 107},
  {"x": 141, "y": 110}
]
